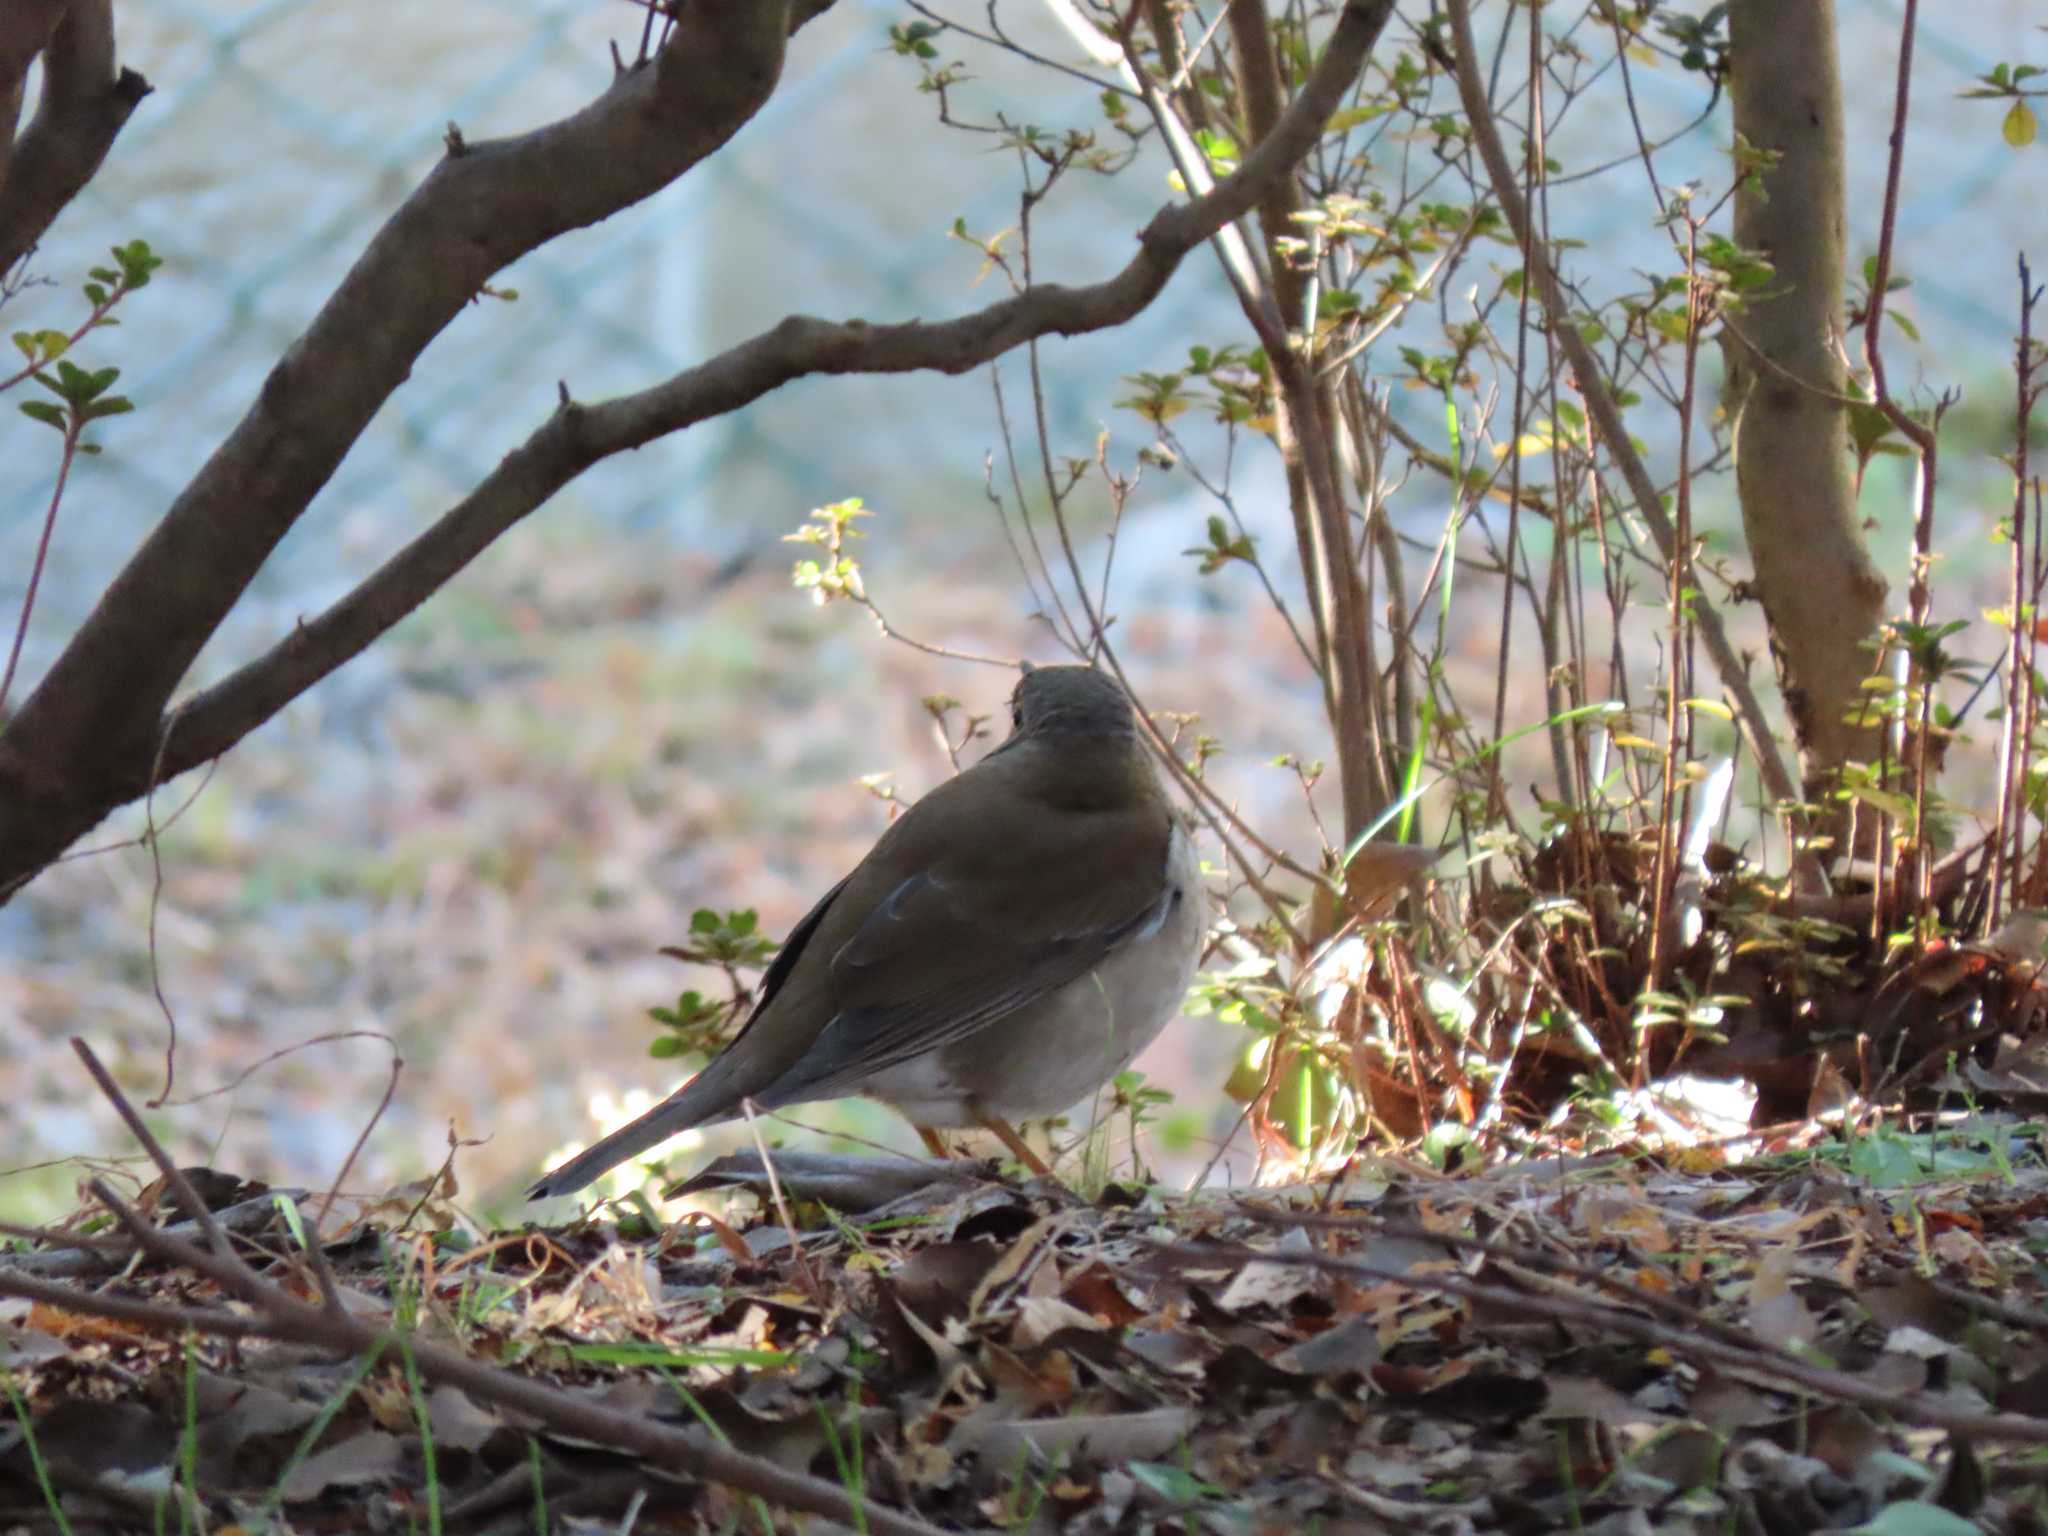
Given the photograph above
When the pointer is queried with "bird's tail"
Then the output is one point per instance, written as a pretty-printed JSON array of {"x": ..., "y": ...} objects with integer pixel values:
[{"x": 679, "y": 1112}]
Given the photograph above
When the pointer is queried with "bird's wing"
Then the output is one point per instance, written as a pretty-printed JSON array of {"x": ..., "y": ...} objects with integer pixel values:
[
  {"x": 777, "y": 975},
  {"x": 932, "y": 963}
]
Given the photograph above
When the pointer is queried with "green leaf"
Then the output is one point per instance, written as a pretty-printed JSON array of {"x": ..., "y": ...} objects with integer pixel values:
[
  {"x": 1174, "y": 1484},
  {"x": 1868, "y": 426},
  {"x": 635, "y": 1353},
  {"x": 1219, "y": 148},
  {"x": 43, "y": 411},
  {"x": 1347, "y": 118},
  {"x": 137, "y": 262},
  {"x": 2020, "y": 127},
  {"x": 40, "y": 347},
  {"x": 74, "y": 383}
]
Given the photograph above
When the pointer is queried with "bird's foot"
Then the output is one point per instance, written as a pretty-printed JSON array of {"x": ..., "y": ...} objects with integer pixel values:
[
  {"x": 1020, "y": 1149},
  {"x": 1004, "y": 1132}
]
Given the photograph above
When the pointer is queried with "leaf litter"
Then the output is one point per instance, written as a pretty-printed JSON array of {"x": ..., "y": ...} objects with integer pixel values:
[{"x": 1840, "y": 1334}]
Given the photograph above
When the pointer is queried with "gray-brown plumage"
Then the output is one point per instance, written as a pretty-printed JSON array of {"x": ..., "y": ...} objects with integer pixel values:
[{"x": 1010, "y": 943}]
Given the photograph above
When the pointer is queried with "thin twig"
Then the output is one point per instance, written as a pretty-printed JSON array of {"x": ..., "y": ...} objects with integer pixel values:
[
  {"x": 1606, "y": 417},
  {"x": 796, "y": 1242},
  {"x": 188, "y": 1197},
  {"x": 73, "y": 426},
  {"x": 280, "y": 1315}
]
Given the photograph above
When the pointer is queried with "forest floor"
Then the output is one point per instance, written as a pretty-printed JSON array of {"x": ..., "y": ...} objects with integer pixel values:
[{"x": 1803, "y": 1332}]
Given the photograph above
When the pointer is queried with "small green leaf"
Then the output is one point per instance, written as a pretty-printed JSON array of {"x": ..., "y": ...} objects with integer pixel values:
[
  {"x": 2020, "y": 127},
  {"x": 1177, "y": 1485},
  {"x": 43, "y": 411},
  {"x": 137, "y": 262},
  {"x": 73, "y": 382},
  {"x": 42, "y": 346}
]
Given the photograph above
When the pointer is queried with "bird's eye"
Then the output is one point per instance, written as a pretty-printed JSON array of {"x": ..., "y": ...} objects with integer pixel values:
[{"x": 1016, "y": 718}]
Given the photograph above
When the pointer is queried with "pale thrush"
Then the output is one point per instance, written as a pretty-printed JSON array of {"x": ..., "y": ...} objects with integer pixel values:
[{"x": 1011, "y": 943}]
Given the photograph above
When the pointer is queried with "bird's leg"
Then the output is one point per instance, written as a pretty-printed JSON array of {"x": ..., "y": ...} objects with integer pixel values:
[
  {"x": 934, "y": 1143},
  {"x": 1020, "y": 1149}
]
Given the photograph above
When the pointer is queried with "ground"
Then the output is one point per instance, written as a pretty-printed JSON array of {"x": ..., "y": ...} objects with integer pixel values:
[{"x": 1823, "y": 1333}]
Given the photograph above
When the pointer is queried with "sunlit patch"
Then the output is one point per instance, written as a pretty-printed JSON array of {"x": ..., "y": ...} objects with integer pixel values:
[{"x": 609, "y": 1111}]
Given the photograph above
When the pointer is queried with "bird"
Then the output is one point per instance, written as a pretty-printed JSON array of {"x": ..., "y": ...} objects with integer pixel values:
[{"x": 1011, "y": 943}]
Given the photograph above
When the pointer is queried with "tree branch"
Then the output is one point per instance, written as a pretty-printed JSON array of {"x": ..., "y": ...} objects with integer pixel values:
[
  {"x": 483, "y": 206},
  {"x": 85, "y": 103},
  {"x": 25, "y": 29},
  {"x": 577, "y": 436}
]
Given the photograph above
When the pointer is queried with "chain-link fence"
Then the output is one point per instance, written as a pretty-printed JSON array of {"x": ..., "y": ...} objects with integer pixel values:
[{"x": 283, "y": 133}]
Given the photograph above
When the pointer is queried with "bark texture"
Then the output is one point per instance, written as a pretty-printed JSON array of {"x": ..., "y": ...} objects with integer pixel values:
[
  {"x": 1822, "y": 595},
  {"x": 86, "y": 100}
]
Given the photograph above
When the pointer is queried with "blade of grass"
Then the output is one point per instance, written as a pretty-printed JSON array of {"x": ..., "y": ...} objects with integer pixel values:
[
  {"x": 1584, "y": 711},
  {"x": 425, "y": 1422},
  {"x": 540, "y": 1496},
  {"x": 35, "y": 1453},
  {"x": 851, "y": 1473},
  {"x": 717, "y": 1432},
  {"x": 275, "y": 1498}
]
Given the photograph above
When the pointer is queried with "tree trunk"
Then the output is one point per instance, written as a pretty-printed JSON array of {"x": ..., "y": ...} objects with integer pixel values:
[{"x": 1822, "y": 596}]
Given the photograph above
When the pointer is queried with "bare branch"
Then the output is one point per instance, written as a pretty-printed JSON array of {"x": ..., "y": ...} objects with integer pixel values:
[
  {"x": 25, "y": 30},
  {"x": 483, "y": 206},
  {"x": 188, "y": 1197},
  {"x": 578, "y": 436},
  {"x": 85, "y": 103}
]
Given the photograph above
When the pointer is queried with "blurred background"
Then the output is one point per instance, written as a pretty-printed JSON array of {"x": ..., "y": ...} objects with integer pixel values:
[{"x": 466, "y": 849}]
